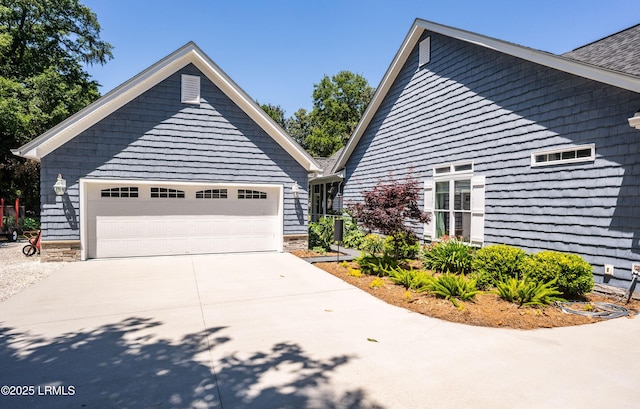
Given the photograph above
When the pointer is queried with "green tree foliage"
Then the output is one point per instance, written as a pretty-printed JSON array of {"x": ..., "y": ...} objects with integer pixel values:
[
  {"x": 276, "y": 113},
  {"x": 389, "y": 208},
  {"x": 44, "y": 47},
  {"x": 299, "y": 125},
  {"x": 338, "y": 104}
]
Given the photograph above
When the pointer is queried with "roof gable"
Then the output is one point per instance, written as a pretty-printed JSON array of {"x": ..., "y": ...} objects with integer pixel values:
[
  {"x": 604, "y": 75},
  {"x": 118, "y": 97}
]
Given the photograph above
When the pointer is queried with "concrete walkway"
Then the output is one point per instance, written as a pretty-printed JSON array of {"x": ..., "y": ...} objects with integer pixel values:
[
  {"x": 272, "y": 331},
  {"x": 345, "y": 254}
]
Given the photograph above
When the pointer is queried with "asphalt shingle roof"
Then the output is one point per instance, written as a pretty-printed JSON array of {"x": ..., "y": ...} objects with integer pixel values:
[
  {"x": 618, "y": 52},
  {"x": 327, "y": 164}
]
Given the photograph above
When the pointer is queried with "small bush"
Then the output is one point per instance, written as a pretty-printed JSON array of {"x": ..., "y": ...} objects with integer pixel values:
[
  {"x": 321, "y": 234},
  {"x": 453, "y": 287},
  {"x": 571, "y": 273},
  {"x": 31, "y": 224},
  {"x": 410, "y": 279},
  {"x": 374, "y": 265},
  {"x": 372, "y": 244},
  {"x": 353, "y": 237},
  {"x": 354, "y": 273},
  {"x": 528, "y": 292},
  {"x": 496, "y": 263},
  {"x": 376, "y": 283},
  {"x": 407, "y": 246},
  {"x": 450, "y": 256}
]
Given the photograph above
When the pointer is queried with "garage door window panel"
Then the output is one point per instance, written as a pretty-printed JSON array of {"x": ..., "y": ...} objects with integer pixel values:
[
  {"x": 251, "y": 194},
  {"x": 129, "y": 191},
  {"x": 212, "y": 194},
  {"x": 161, "y": 192}
]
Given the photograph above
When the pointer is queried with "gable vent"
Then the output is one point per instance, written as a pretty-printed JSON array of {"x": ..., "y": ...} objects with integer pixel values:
[
  {"x": 424, "y": 51},
  {"x": 190, "y": 89}
]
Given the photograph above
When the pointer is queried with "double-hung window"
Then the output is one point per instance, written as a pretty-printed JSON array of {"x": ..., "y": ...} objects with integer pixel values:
[
  {"x": 455, "y": 199},
  {"x": 453, "y": 208}
]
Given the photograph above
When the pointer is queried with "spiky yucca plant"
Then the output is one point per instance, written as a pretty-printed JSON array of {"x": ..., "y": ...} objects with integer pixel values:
[
  {"x": 453, "y": 288},
  {"x": 449, "y": 256},
  {"x": 374, "y": 265},
  {"x": 528, "y": 292},
  {"x": 410, "y": 279}
]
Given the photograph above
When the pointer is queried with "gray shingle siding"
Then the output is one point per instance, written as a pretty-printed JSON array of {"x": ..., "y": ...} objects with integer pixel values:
[
  {"x": 156, "y": 137},
  {"x": 475, "y": 104}
]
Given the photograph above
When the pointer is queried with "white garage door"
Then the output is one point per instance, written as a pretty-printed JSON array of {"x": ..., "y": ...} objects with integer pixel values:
[{"x": 129, "y": 219}]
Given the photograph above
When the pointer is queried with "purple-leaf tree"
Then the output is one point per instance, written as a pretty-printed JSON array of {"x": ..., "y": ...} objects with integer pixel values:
[{"x": 389, "y": 208}]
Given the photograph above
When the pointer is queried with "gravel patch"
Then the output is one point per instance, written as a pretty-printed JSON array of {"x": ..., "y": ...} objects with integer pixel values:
[{"x": 18, "y": 272}]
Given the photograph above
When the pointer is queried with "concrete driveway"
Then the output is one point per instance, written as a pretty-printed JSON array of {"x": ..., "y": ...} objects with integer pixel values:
[{"x": 271, "y": 331}]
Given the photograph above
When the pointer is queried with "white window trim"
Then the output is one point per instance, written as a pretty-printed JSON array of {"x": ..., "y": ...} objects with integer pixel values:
[
  {"x": 477, "y": 200},
  {"x": 591, "y": 158},
  {"x": 452, "y": 173}
]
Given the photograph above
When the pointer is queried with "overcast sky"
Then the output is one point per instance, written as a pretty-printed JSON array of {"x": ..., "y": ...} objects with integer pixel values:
[{"x": 276, "y": 50}]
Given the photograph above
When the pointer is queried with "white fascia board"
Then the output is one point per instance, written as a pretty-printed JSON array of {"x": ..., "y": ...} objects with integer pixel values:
[
  {"x": 335, "y": 177},
  {"x": 618, "y": 79}
]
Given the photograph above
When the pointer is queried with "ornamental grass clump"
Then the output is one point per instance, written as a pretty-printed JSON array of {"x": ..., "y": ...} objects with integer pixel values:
[
  {"x": 527, "y": 292},
  {"x": 571, "y": 273},
  {"x": 375, "y": 265},
  {"x": 410, "y": 279},
  {"x": 449, "y": 256},
  {"x": 453, "y": 288}
]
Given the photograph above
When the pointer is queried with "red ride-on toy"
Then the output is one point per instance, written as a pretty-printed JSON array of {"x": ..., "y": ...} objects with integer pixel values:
[{"x": 33, "y": 246}]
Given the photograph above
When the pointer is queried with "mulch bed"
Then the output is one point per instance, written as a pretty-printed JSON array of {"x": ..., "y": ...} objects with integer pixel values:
[{"x": 487, "y": 310}]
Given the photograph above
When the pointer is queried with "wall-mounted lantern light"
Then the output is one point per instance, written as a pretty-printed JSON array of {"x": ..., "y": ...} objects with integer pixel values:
[
  {"x": 634, "y": 121},
  {"x": 295, "y": 190},
  {"x": 61, "y": 186}
]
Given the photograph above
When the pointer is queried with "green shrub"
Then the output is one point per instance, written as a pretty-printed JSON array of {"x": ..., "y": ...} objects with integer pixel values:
[
  {"x": 571, "y": 273},
  {"x": 410, "y": 279},
  {"x": 449, "y": 256},
  {"x": 496, "y": 263},
  {"x": 353, "y": 237},
  {"x": 31, "y": 224},
  {"x": 528, "y": 292},
  {"x": 375, "y": 265},
  {"x": 372, "y": 244},
  {"x": 453, "y": 287},
  {"x": 407, "y": 246},
  {"x": 321, "y": 233}
]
